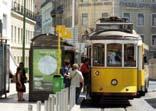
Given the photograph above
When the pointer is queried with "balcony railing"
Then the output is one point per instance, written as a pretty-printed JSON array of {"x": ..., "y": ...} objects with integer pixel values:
[{"x": 20, "y": 9}]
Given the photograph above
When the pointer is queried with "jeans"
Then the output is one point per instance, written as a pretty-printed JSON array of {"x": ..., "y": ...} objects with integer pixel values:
[{"x": 78, "y": 90}]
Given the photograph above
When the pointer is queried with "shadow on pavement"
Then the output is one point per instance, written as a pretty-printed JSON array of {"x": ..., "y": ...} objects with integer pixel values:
[
  {"x": 151, "y": 102},
  {"x": 88, "y": 103},
  {"x": 12, "y": 98}
]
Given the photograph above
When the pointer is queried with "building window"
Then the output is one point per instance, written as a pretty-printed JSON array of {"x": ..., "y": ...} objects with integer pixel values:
[
  {"x": 12, "y": 33},
  {"x": 141, "y": 0},
  {"x": 4, "y": 24},
  {"x": 15, "y": 35},
  {"x": 19, "y": 35},
  {"x": 84, "y": 19},
  {"x": 153, "y": 19},
  {"x": 104, "y": 15},
  {"x": 153, "y": 39},
  {"x": 142, "y": 36},
  {"x": 140, "y": 19},
  {"x": 84, "y": 0},
  {"x": 127, "y": 15}
]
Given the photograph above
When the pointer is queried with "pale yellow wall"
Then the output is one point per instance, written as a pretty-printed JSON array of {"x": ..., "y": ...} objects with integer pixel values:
[{"x": 94, "y": 13}]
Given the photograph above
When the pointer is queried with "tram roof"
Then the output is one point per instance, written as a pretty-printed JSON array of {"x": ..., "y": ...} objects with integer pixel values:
[{"x": 114, "y": 35}]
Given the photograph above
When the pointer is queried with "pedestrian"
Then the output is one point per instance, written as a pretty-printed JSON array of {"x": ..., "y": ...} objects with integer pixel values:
[
  {"x": 65, "y": 73},
  {"x": 86, "y": 73},
  {"x": 21, "y": 66},
  {"x": 20, "y": 87},
  {"x": 76, "y": 80}
]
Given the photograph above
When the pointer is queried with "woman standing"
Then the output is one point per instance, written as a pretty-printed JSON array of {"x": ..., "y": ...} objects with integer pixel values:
[
  {"x": 76, "y": 80},
  {"x": 20, "y": 87}
]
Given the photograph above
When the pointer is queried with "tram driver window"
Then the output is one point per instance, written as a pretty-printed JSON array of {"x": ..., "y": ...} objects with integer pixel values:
[
  {"x": 114, "y": 52},
  {"x": 98, "y": 54},
  {"x": 129, "y": 55}
]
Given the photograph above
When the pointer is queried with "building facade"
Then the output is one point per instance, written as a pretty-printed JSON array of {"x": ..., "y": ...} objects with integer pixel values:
[
  {"x": 92, "y": 10},
  {"x": 142, "y": 13},
  {"x": 17, "y": 12},
  {"x": 5, "y": 7}
]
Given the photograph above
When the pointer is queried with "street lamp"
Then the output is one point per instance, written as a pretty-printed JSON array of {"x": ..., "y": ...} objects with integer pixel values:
[{"x": 23, "y": 49}]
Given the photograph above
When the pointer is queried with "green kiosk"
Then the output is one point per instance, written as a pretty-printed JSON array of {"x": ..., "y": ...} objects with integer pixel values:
[{"x": 43, "y": 79}]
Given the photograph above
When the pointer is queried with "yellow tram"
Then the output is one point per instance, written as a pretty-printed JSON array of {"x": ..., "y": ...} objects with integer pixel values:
[{"x": 118, "y": 62}]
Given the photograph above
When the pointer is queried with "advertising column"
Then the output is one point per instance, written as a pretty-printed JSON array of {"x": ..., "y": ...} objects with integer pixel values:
[{"x": 44, "y": 67}]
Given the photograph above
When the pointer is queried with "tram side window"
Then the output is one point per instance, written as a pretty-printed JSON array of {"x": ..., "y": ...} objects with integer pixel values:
[
  {"x": 98, "y": 55},
  {"x": 114, "y": 52},
  {"x": 129, "y": 55},
  {"x": 89, "y": 52}
]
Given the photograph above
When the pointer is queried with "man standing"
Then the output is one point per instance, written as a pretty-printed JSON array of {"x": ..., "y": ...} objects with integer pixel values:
[
  {"x": 86, "y": 73},
  {"x": 65, "y": 74}
]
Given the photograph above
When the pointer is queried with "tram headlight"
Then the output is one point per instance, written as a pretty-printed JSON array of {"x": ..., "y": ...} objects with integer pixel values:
[
  {"x": 97, "y": 73},
  {"x": 114, "y": 82}
]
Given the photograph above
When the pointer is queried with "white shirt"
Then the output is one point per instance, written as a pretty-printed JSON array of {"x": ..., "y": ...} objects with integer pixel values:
[{"x": 76, "y": 78}]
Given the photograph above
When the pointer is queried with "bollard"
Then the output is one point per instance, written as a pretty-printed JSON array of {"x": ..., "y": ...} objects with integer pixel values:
[
  {"x": 45, "y": 105},
  {"x": 29, "y": 107},
  {"x": 72, "y": 96},
  {"x": 58, "y": 99},
  {"x": 38, "y": 105},
  {"x": 51, "y": 102},
  {"x": 63, "y": 100},
  {"x": 66, "y": 99}
]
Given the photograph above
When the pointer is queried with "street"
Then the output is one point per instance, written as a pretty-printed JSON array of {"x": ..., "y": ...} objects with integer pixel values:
[
  {"x": 138, "y": 104},
  {"x": 144, "y": 103}
]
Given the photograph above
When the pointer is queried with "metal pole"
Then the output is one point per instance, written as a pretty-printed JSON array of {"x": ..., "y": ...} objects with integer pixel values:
[
  {"x": 23, "y": 49},
  {"x": 73, "y": 13}
]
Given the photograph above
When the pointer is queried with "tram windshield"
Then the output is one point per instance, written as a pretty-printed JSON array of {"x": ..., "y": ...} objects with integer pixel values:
[
  {"x": 114, "y": 52},
  {"x": 98, "y": 54},
  {"x": 115, "y": 56}
]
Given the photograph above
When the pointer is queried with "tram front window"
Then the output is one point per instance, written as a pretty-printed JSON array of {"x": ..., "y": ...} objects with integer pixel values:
[
  {"x": 98, "y": 55},
  {"x": 114, "y": 52},
  {"x": 129, "y": 55}
]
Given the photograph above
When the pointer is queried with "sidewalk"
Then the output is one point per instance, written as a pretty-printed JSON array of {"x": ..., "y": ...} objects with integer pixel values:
[{"x": 11, "y": 104}]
